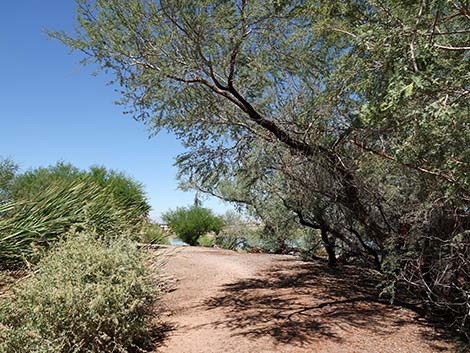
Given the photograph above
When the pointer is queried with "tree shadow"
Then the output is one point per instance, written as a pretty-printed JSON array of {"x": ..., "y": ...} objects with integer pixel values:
[
  {"x": 155, "y": 336},
  {"x": 297, "y": 303}
]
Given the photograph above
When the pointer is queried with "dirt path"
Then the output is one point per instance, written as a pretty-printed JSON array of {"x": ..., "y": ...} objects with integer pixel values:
[{"x": 230, "y": 302}]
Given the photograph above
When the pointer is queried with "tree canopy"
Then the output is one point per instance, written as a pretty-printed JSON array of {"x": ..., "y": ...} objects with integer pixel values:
[
  {"x": 352, "y": 115},
  {"x": 8, "y": 170}
]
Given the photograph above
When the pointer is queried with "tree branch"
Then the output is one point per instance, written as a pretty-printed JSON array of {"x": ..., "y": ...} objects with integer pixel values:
[{"x": 445, "y": 47}]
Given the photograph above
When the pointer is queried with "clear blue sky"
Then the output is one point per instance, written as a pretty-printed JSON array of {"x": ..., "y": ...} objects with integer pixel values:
[{"x": 52, "y": 108}]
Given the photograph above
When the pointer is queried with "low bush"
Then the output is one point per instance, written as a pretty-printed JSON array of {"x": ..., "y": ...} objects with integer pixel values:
[
  {"x": 311, "y": 246},
  {"x": 192, "y": 222},
  {"x": 241, "y": 235},
  {"x": 88, "y": 295},
  {"x": 206, "y": 240},
  {"x": 153, "y": 234},
  {"x": 237, "y": 234},
  {"x": 233, "y": 237}
]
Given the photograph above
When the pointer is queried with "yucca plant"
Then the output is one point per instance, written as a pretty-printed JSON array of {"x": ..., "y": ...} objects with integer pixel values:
[{"x": 28, "y": 226}]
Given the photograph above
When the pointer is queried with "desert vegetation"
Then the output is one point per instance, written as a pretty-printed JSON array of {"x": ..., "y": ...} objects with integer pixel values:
[
  {"x": 72, "y": 278},
  {"x": 338, "y": 129},
  {"x": 191, "y": 223},
  {"x": 87, "y": 295},
  {"x": 349, "y": 118}
]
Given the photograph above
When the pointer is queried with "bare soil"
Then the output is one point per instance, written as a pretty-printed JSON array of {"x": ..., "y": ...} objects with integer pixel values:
[{"x": 225, "y": 301}]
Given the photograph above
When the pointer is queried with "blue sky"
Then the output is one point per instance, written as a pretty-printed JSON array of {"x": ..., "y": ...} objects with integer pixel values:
[{"x": 52, "y": 108}]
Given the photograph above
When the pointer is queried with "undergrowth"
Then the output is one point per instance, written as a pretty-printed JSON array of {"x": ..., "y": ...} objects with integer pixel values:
[{"x": 86, "y": 295}]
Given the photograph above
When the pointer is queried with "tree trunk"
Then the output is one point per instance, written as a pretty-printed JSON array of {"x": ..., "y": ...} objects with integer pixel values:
[{"x": 329, "y": 245}]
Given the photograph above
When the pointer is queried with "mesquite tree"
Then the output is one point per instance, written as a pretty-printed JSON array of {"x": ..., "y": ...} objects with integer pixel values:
[{"x": 354, "y": 113}]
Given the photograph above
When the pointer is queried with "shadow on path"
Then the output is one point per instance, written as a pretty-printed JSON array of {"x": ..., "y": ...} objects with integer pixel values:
[{"x": 297, "y": 303}]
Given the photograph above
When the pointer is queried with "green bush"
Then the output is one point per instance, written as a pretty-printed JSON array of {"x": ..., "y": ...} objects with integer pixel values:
[
  {"x": 153, "y": 234},
  {"x": 237, "y": 234},
  {"x": 126, "y": 193},
  {"x": 241, "y": 235},
  {"x": 38, "y": 206},
  {"x": 27, "y": 227},
  {"x": 233, "y": 237},
  {"x": 310, "y": 245},
  {"x": 88, "y": 295},
  {"x": 191, "y": 223},
  {"x": 206, "y": 240}
]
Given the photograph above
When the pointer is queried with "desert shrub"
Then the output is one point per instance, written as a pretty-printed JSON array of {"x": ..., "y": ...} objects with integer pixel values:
[
  {"x": 278, "y": 230},
  {"x": 206, "y": 240},
  {"x": 190, "y": 223},
  {"x": 230, "y": 239},
  {"x": 252, "y": 237},
  {"x": 27, "y": 226},
  {"x": 281, "y": 232},
  {"x": 32, "y": 182},
  {"x": 127, "y": 193},
  {"x": 152, "y": 234},
  {"x": 236, "y": 237},
  {"x": 88, "y": 295},
  {"x": 439, "y": 277}
]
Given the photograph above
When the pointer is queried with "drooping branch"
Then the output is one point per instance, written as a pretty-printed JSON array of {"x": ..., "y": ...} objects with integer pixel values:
[{"x": 382, "y": 154}]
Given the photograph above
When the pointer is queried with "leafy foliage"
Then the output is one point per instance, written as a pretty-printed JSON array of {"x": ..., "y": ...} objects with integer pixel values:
[
  {"x": 236, "y": 233},
  {"x": 8, "y": 170},
  {"x": 190, "y": 223},
  {"x": 46, "y": 203},
  {"x": 153, "y": 234},
  {"x": 87, "y": 295},
  {"x": 351, "y": 115},
  {"x": 206, "y": 240},
  {"x": 27, "y": 227},
  {"x": 127, "y": 193}
]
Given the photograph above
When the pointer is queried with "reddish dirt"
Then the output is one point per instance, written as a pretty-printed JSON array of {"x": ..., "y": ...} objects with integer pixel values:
[{"x": 224, "y": 301}]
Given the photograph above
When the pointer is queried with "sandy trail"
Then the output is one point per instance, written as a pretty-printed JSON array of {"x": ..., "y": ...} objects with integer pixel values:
[{"x": 230, "y": 302}]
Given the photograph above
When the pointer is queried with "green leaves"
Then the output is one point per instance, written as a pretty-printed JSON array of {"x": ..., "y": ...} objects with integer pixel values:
[
  {"x": 87, "y": 295},
  {"x": 191, "y": 223},
  {"x": 49, "y": 202},
  {"x": 8, "y": 170},
  {"x": 353, "y": 113}
]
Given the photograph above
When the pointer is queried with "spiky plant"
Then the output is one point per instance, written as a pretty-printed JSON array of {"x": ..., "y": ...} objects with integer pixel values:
[{"x": 28, "y": 226}]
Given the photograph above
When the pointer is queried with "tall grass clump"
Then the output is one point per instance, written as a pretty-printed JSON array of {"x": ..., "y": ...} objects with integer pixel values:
[
  {"x": 87, "y": 295},
  {"x": 29, "y": 225}
]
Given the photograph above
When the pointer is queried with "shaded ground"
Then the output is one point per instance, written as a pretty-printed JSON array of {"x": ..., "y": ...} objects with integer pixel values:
[{"x": 230, "y": 302}]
